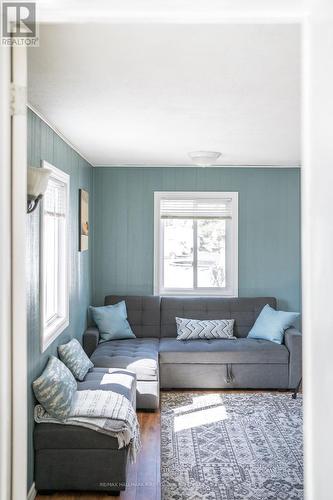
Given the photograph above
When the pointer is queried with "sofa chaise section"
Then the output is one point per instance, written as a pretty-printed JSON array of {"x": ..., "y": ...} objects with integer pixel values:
[{"x": 139, "y": 355}]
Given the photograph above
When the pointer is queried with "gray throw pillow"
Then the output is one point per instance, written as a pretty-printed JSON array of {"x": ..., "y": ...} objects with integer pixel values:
[
  {"x": 195, "y": 329},
  {"x": 55, "y": 388},
  {"x": 74, "y": 357}
]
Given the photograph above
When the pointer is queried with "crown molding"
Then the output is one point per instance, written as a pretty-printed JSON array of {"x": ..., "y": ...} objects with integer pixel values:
[{"x": 57, "y": 131}]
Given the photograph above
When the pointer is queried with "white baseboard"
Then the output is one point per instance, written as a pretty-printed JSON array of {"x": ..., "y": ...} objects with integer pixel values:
[{"x": 32, "y": 492}]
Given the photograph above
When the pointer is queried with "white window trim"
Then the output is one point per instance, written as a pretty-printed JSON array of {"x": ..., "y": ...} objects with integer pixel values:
[
  {"x": 158, "y": 244},
  {"x": 57, "y": 327}
]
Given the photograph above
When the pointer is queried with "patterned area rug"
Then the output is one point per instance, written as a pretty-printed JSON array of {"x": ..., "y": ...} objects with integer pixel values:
[{"x": 231, "y": 446}]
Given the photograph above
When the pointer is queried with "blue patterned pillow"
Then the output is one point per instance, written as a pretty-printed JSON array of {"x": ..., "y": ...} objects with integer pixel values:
[
  {"x": 55, "y": 388},
  {"x": 75, "y": 358}
]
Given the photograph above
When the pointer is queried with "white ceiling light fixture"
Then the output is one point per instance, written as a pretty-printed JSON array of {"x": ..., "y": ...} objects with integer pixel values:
[{"x": 204, "y": 158}]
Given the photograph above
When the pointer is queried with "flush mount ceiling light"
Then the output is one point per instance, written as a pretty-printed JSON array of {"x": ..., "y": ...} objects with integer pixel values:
[{"x": 204, "y": 158}]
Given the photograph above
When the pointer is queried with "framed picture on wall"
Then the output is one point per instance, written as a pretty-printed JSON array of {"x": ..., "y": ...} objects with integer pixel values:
[{"x": 84, "y": 219}]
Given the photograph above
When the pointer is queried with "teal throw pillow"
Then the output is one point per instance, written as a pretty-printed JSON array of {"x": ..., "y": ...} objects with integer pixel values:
[
  {"x": 271, "y": 324},
  {"x": 74, "y": 357},
  {"x": 112, "y": 322},
  {"x": 55, "y": 388}
]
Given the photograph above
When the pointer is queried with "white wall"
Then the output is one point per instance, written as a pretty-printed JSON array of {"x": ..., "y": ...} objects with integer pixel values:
[{"x": 317, "y": 248}]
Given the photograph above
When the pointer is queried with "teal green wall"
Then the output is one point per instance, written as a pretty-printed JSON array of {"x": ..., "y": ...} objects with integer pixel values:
[
  {"x": 269, "y": 227},
  {"x": 44, "y": 144}
]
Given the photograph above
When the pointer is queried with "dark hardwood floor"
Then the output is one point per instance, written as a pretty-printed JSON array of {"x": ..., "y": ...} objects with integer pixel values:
[{"x": 143, "y": 478}]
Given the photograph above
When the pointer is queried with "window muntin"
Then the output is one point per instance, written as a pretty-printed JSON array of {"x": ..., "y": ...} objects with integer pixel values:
[
  {"x": 54, "y": 257},
  {"x": 196, "y": 243}
]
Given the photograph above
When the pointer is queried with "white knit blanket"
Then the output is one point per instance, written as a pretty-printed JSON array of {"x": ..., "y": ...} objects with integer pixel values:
[{"x": 103, "y": 411}]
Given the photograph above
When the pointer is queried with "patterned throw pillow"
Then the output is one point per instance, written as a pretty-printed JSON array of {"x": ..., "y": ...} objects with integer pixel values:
[
  {"x": 195, "y": 329},
  {"x": 55, "y": 388},
  {"x": 74, "y": 357}
]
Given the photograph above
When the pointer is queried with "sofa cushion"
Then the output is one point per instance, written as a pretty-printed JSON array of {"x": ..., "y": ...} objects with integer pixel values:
[
  {"x": 137, "y": 355},
  {"x": 222, "y": 351},
  {"x": 73, "y": 437},
  {"x": 110, "y": 379}
]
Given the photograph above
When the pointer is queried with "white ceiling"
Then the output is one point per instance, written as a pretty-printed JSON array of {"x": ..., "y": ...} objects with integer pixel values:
[
  {"x": 170, "y": 10},
  {"x": 149, "y": 93}
]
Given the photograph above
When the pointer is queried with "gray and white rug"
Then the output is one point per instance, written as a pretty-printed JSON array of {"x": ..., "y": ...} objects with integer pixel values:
[{"x": 245, "y": 446}]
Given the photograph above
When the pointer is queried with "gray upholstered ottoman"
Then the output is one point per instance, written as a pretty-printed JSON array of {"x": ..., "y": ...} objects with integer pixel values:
[{"x": 75, "y": 458}]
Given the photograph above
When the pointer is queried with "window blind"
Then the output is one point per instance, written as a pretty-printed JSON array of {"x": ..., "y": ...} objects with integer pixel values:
[
  {"x": 55, "y": 199},
  {"x": 196, "y": 208}
]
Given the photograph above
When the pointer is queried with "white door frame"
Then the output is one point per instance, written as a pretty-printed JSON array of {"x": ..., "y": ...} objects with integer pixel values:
[
  {"x": 13, "y": 310},
  {"x": 5, "y": 273},
  {"x": 316, "y": 302},
  {"x": 317, "y": 248},
  {"x": 18, "y": 269}
]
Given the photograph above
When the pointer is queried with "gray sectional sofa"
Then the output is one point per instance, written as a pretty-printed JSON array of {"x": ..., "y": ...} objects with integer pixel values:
[
  {"x": 161, "y": 361},
  {"x": 73, "y": 458}
]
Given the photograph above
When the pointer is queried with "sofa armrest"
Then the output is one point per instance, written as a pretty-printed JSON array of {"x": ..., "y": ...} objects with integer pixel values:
[
  {"x": 293, "y": 342},
  {"x": 90, "y": 340}
]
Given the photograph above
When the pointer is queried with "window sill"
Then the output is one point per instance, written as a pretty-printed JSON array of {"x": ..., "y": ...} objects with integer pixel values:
[
  {"x": 50, "y": 333},
  {"x": 198, "y": 293}
]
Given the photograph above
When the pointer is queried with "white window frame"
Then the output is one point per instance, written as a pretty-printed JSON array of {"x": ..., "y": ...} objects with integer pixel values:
[
  {"x": 232, "y": 240},
  {"x": 50, "y": 332}
]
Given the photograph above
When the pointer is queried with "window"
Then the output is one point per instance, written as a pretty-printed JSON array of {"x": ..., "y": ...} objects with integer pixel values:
[
  {"x": 196, "y": 243},
  {"x": 54, "y": 257}
]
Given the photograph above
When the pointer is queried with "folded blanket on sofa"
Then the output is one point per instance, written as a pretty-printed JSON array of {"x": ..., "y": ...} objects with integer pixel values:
[{"x": 103, "y": 411}]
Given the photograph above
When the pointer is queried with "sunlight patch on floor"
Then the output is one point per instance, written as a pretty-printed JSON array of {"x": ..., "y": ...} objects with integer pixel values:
[
  {"x": 200, "y": 416},
  {"x": 200, "y": 401}
]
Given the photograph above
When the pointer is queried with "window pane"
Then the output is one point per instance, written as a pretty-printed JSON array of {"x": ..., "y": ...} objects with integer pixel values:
[
  {"x": 53, "y": 244},
  {"x": 50, "y": 268},
  {"x": 211, "y": 253},
  {"x": 178, "y": 253}
]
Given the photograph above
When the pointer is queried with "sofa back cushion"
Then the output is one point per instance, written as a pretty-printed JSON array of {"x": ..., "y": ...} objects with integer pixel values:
[
  {"x": 143, "y": 313},
  {"x": 243, "y": 310},
  {"x": 153, "y": 316}
]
